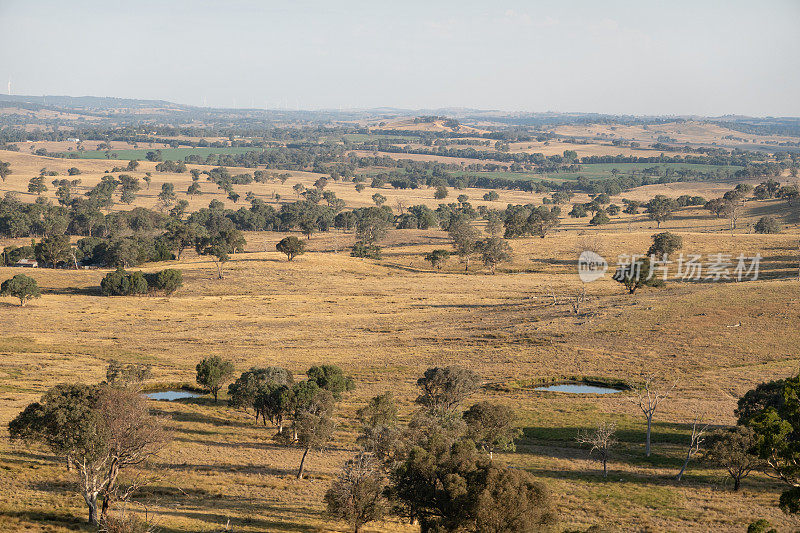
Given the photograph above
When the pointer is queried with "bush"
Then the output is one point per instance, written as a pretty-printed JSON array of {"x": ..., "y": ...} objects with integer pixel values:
[
  {"x": 370, "y": 251},
  {"x": 166, "y": 281},
  {"x": 767, "y": 225},
  {"x": 760, "y": 526},
  {"x": 121, "y": 283}
]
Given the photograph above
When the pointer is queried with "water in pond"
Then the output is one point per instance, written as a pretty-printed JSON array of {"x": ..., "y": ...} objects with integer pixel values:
[
  {"x": 577, "y": 388},
  {"x": 169, "y": 395}
]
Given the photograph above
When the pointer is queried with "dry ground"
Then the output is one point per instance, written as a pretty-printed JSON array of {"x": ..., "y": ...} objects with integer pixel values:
[{"x": 385, "y": 322}]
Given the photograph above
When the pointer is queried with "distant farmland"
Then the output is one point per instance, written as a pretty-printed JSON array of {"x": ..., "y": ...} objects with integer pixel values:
[
  {"x": 167, "y": 154},
  {"x": 603, "y": 170}
]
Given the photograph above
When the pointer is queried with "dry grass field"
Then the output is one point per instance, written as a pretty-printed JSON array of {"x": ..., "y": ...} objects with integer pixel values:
[
  {"x": 385, "y": 322},
  {"x": 682, "y": 132}
]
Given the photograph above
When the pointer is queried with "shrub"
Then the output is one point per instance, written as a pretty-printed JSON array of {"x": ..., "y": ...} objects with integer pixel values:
[{"x": 760, "y": 526}]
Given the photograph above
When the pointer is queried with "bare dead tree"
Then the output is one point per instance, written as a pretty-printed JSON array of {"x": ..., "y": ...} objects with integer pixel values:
[
  {"x": 648, "y": 397},
  {"x": 400, "y": 206},
  {"x": 578, "y": 301},
  {"x": 697, "y": 438},
  {"x": 601, "y": 440}
]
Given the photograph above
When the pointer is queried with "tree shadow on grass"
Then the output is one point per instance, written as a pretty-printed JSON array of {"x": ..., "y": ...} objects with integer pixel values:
[
  {"x": 200, "y": 418},
  {"x": 65, "y": 520},
  {"x": 218, "y": 521},
  {"x": 224, "y": 468},
  {"x": 594, "y": 475},
  {"x": 662, "y": 432},
  {"x": 74, "y": 291}
]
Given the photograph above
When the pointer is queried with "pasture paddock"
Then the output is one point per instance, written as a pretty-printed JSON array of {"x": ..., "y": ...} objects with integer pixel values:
[{"x": 385, "y": 322}]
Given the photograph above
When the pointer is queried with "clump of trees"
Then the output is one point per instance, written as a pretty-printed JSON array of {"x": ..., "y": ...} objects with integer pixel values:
[
  {"x": 123, "y": 283},
  {"x": 308, "y": 405},
  {"x": 432, "y": 471},
  {"x": 772, "y": 412},
  {"x": 521, "y": 220}
]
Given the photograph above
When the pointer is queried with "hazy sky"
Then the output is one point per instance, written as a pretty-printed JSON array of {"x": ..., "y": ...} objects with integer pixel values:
[{"x": 637, "y": 57}]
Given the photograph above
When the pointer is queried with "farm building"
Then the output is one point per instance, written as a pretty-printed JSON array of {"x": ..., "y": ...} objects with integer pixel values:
[{"x": 27, "y": 263}]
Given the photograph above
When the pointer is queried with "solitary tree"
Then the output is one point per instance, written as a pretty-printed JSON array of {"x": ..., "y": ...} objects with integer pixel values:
[
  {"x": 452, "y": 487},
  {"x": 444, "y": 388},
  {"x": 379, "y": 199},
  {"x": 22, "y": 287},
  {"x": 601, "y": 441},
  {"x": 767, "y": 224},
  {"x": 696, "y": 439},
  {"x": 660, "y": 208},
  {"x": 36, "y": 185},
  {"x": 99, "y": 431},
  {"x": 600, "y": 218},
  {"x": 167, "y": 194},
  {"x": 213, "y": 372},
  {"x": 291, "y": 246},
  {"x": 465, "y": 239},
  {"x": 313, "y": 427},
  {"x": 664, "y": 244},
  {"x": 378, "y": 425},
  {"x": 5, "y": 170},
  {"x": 648, "y": 397}
]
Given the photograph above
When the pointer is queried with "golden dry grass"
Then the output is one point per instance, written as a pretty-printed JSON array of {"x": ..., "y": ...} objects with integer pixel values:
[{"x": 385, "y": 322}]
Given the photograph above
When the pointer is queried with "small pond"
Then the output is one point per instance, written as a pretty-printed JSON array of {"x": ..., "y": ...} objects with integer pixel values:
[
  {"x": 578, "y": 388},
  {"x": 170, "y": 395}
]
